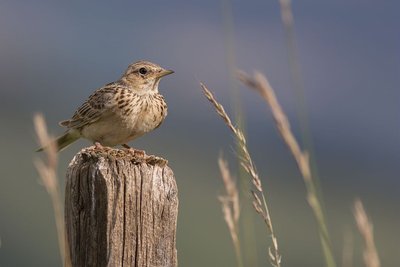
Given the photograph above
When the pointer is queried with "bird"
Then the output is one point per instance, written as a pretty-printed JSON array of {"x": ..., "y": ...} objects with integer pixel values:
[{"x": 120, "y": 111}]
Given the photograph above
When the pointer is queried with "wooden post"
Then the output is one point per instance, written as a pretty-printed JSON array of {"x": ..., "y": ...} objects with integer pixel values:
[{"x": 120, "y": 210}]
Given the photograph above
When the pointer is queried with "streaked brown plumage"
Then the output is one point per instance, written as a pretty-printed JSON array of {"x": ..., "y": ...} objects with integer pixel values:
[{"x": 120, "y": 111}]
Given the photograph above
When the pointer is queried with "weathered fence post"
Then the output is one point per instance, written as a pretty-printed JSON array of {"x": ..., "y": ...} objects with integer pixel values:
[{"x": 120, "y": 210}]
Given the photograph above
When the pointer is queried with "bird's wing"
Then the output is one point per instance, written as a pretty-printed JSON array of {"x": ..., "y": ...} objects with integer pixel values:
[{"x": 99, "y": 103}]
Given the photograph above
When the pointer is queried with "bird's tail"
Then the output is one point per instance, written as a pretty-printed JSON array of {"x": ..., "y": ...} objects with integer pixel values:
[{"x": 64, "y": 140}]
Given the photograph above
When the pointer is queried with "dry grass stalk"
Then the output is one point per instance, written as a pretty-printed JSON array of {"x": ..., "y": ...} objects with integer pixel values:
[
  {"x": 260, "y": 83},
  {"x": 286, "y": 13},
  {"x": 348, "y": 250},
  {"x": 47, "y": 170},
  {"x": 247, "y": 163},
  {"x": 230, "y": 206},
  {"x": 295, "y": 69},
  {"x": 370, "y": 254}
]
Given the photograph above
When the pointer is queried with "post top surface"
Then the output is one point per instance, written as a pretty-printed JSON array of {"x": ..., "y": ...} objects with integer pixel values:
[{"x": 122, "y": 154}]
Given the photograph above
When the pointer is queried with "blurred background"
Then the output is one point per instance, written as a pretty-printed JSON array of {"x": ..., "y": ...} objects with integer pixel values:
[{"x": 54, "y": 54}]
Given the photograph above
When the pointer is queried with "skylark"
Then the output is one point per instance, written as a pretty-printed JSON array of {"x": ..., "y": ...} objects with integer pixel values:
[{"x": 120, "y": 111}]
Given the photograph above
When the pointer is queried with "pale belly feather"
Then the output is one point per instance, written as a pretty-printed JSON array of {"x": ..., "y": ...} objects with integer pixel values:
[{"x": 116, "y": 129}]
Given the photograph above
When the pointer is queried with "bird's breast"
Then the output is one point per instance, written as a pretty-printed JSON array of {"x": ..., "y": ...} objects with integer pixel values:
[
  {"x": 152, "y": 111},
  {"x": 128, "y": 120}
]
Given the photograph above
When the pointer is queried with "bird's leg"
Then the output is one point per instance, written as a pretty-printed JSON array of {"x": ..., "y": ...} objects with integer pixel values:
[{"x": 140, "y": 153}]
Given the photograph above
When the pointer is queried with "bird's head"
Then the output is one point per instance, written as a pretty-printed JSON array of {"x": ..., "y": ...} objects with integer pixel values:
[{"x": 144, "y": 77}]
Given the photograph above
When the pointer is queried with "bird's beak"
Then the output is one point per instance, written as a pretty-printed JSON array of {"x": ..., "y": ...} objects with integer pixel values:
[{"x": 165, "y": 73}]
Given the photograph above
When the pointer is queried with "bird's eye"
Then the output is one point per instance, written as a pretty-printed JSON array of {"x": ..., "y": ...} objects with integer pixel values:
[{"x": 142, "y": 71}]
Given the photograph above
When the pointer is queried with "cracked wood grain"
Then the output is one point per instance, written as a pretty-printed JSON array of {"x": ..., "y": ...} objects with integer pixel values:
[{"x": 120, "y": 210}]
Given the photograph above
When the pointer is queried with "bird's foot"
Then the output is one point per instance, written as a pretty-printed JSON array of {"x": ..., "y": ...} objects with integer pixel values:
[{"x": 135, "y": 152}]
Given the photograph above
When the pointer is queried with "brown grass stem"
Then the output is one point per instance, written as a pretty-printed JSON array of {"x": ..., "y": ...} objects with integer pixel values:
[
  {"x": 295, "y": 69},
  {"x": 260, "y": 83},
  {"x": 231, "y": 207},
  {"x": 348, "y": 249},
  {"x": 47, "y": 170},
  {"x": 259, "y": 201},
  {"x": 298, "y": 88},
  {"x": 365, "y": 227}
]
